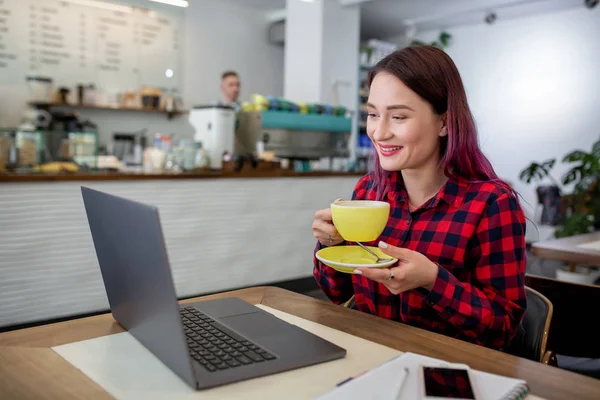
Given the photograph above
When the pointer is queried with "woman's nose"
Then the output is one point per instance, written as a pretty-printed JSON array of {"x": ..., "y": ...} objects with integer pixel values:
[{"x": 381, "y": 131}]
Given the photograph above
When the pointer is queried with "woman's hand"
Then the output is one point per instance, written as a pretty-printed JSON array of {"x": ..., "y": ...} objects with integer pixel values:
[
  {"x": 413, "y": 270},
  {"x": 324, "y": 230}
]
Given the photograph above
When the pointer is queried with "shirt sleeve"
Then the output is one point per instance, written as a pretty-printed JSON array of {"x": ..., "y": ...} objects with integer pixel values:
[
  {"x": 489, "y": 309},
  {"x": 337, "y": 286}
]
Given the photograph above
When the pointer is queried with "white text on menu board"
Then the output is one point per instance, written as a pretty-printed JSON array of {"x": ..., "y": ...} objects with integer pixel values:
[{"x": 74, "y": 43}]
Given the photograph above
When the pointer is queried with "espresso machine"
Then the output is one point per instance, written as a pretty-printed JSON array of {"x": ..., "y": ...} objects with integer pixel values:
[{"x": 293, "y": 135}]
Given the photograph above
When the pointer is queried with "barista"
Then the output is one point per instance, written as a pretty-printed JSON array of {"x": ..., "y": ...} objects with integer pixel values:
[{"x": 230, "y": 89}]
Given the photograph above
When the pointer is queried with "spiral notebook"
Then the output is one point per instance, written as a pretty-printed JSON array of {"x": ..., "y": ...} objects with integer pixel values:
[{"x": 398, "y": 379}]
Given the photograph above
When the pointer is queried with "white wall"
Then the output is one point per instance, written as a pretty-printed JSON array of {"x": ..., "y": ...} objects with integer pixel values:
[
  {"x": 340, "y": 57},
  {"x": 321, "y": 62},
  {"x": 316, "y": 58},
  {"x": 534, "y": 88},
  {"x": 341, "y": 31},
  {"x": 221, "y": 35},
  {"x": 303, "y": 51}
]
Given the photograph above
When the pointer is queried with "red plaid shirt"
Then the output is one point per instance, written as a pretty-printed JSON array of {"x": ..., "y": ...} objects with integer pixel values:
[{"x": 475, "y": 232}]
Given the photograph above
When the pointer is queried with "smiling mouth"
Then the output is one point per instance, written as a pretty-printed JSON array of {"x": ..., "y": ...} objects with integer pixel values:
[{"x": 390, "y": 150}]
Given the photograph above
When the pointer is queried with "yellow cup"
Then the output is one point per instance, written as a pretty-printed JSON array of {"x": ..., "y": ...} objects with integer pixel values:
[{"x": 360, "y": 220}]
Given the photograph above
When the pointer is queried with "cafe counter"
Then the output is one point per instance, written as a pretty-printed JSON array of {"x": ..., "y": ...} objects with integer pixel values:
[
  {"x": 129, "y": 176},
  {"x": 222, "y": 230}
]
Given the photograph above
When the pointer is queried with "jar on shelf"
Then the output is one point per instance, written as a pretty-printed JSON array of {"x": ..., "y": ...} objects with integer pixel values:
[{"x": 201, "y": 160}]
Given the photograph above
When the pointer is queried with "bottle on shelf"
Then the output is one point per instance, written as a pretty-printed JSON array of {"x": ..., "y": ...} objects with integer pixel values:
[
  {"x": 201, "y": 160},
  {"x": 13, "y": 153}
]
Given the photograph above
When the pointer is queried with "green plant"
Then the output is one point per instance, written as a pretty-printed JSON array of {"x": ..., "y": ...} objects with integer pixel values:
[
  {"x": 538, "y": 171},
  {"x": 576, "y": 224},
  {"x": 443, "y": 41},
  {"x": 583, "y": 205},
  {"x": 366, "y": 49}
]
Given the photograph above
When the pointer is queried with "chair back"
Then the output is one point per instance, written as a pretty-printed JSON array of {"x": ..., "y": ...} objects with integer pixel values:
[
  {"x": 575, "y": 329},
  {"x": 532, "y": 335}
]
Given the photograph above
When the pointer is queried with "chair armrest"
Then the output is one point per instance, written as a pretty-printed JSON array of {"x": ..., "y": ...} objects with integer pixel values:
[
  {"x": 350, "y": 303},
  {"x": 549, "y": 358}
]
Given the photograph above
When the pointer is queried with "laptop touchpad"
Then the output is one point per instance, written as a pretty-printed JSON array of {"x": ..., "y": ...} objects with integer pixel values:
[
  {"x": 225, "y": 307},
  {"x": 257, "y": 324}
]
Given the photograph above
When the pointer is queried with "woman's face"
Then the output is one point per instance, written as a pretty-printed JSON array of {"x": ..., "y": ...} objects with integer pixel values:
[{"x": 403, "y": 127}]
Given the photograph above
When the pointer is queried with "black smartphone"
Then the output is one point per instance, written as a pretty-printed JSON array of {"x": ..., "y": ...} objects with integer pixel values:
[{"x": 447, "y": 382}]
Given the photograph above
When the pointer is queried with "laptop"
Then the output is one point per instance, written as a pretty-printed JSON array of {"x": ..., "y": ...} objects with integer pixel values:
[{"x": 208, "y": 343}]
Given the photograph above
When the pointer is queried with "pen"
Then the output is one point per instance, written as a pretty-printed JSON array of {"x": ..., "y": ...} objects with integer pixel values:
[{"x": 351, "y": 378}]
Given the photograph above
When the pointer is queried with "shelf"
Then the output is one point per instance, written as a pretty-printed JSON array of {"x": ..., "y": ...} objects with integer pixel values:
[{"x": 169, "y": 114}]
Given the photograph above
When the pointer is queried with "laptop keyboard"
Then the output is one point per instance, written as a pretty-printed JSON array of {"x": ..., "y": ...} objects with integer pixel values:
[{"x": 213, "y": 348}]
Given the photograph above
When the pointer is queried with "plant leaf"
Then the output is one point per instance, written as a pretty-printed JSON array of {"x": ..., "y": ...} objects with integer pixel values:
[
  {"x": 445, "y": 38},
  {"x": 572, "y": 175},
  {"x": 574, "y": 156},
  {"x": 536, "y": 171},
  {"x": 550, "y": 163}
]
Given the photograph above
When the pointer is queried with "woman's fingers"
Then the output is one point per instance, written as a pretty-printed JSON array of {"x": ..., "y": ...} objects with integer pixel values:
[
  {"x": 324, "y": 227},
  {"x": 323, "y": 215},
  {"x": 326, "y": 233},
  {"x": 324, "y": 230},
  {"x": 396, "y": 285},
  {"x": 381, "y": 275},
  {"x": 397, "y": 252}
]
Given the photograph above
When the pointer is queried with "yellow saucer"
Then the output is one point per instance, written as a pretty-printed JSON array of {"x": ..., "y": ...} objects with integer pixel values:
[{"x": 347, "y": 258}]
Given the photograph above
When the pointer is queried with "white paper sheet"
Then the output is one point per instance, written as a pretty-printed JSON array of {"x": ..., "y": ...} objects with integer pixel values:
[{"x": 127, "y": 370}]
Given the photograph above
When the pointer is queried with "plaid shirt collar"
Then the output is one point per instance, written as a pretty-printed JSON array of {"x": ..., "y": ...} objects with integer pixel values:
[{"x": 453, "y": 192}]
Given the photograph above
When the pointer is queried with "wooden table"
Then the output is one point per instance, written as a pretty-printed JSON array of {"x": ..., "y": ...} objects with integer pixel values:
[
  {"x": 30, "y": 369},
  {"x": 567, "y": 250}
]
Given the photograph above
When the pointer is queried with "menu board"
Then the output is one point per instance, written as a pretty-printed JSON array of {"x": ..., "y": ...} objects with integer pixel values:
[
  {"x": 77, "y": 42},
  {"x": 13, "y": 36}
]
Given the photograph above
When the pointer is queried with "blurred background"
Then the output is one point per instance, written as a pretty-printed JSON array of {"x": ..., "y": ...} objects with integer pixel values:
[{"x": 130, "y": 97}]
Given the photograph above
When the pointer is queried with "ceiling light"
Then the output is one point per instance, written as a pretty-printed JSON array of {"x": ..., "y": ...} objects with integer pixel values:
[
  {"x": 103, "y": 5},
  {"x": 177, "y": 3}
]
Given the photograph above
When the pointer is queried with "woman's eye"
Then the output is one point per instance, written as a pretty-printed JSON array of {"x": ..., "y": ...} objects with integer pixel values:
[
  {"x": 372, "y": 115},
  {"x": 399, "y": 117}
]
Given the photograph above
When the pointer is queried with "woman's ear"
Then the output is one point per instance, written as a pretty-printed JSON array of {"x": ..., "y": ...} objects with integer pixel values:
[
  {"x": 444, "y": 131},
  {"x": 444, "y": 128}
]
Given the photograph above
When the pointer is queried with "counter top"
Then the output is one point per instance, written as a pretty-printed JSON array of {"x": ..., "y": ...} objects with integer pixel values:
[{"x": 124, "y": 176}]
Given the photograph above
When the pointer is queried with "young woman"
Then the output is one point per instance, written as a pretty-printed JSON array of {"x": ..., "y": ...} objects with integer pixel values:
[{"x": 456, "y": 228}]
